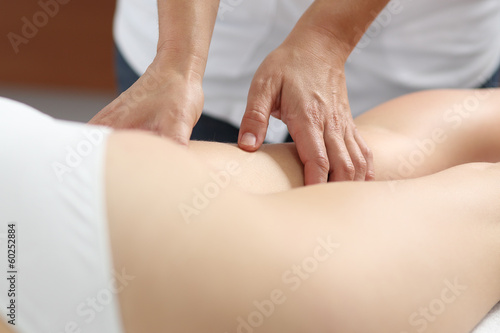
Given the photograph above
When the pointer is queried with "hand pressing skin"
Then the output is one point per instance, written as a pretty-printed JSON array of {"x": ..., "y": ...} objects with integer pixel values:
[
  {"x": 168, "y": 98},
  {"x": 164, "y": 101},
  {"x": 302, "y": 83}
]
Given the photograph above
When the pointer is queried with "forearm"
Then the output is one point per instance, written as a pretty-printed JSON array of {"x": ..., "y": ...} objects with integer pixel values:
[
  {"x": 186, "y": 28},
  {"x": 337, "y": 23}
]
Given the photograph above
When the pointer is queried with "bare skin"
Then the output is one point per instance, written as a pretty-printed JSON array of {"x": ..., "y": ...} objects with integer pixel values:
[
  {"x": 400, "y": 247},
  {"x": 395, "y": 248},
  {"x": 168, "y": 97},
  {"x": 302, "y": 82},
  {"x": 400, "y": 132}
]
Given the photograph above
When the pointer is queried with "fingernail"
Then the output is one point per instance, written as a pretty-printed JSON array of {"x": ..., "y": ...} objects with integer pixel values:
[{"x": 248, "y": 139}]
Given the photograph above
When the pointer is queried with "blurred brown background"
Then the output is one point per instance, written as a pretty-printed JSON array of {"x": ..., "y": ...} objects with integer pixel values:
[{"x": 66, "y": 67}]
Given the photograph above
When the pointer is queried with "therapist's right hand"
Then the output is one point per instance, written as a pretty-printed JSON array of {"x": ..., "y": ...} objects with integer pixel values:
[{"x": 165, "y": 101}]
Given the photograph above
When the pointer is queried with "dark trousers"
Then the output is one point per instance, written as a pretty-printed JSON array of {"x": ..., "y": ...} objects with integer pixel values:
[{"x": 209, "y": 128}]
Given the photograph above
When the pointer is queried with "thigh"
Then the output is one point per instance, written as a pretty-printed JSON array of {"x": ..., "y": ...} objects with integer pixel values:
[
  {"x": 412, "y": 136},
  {"x": 402, "y": 246},
  {"x": 426, "y": 132}
]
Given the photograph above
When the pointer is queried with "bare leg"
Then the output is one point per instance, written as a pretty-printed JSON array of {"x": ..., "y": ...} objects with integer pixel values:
[
  {"x": 412, "y": 136},
  {"x": 426, "y": 132},
  {"x": 342, "y": 257}
]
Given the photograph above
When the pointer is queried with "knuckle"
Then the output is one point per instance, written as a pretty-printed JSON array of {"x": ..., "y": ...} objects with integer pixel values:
[
  {"x": 336, "y": 127},
  {"x": 336, "y": 121},
  {"x": 361, "y": 164},
  {"x": 323, "y": 163},
  {"x": 370, "y": 175},
  {"x": 347, "y": 168},
  {"x": 256, "y": 115},
  {"x": 261, "y": 81},
  {"x": 313, "y": 112}
]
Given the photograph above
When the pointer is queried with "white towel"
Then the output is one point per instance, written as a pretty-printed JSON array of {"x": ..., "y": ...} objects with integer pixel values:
[{"x": 490, "y": 324}]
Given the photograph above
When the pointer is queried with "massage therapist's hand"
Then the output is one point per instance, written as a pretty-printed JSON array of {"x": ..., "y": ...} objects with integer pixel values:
[
  {"x": 168, "y": 98},
  {"x": 302, "y": 83},
  {"x": 166, "y": 101}
]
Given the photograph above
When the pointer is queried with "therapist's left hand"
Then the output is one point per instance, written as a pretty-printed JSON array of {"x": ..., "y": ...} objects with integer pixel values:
[{"x": 302, "y": 83}]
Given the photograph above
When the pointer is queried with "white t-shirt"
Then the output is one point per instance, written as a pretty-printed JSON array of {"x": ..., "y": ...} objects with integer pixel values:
[{"x": 412, "y": 45}]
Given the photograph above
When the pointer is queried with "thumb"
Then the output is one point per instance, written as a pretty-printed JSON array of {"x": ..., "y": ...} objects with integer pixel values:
[{"x": 255, "y": 121}]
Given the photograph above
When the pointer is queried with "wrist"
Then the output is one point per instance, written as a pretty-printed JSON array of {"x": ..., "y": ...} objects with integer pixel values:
[
  {"x": 174, "y": 60},
  {"x": 339, "y": 24},
  {"x": 321, "y": 44}
]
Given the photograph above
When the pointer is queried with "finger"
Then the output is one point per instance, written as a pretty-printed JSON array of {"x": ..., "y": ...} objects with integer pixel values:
[
  {"x": 342, "y": 168},
  {"x": 367, "y": 153},
  {"x": 261, "y": 98},
  {"x": 357, "y": 157},
  {"x": 311, "y": 148}
]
